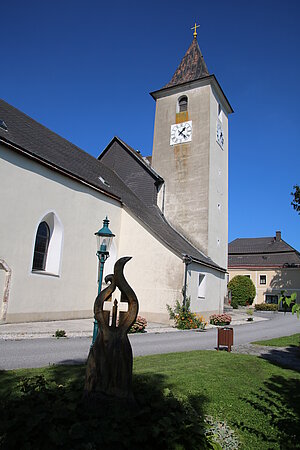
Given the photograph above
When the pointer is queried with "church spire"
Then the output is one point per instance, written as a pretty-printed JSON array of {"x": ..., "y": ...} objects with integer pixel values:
[{"x": 192, "y": 65}]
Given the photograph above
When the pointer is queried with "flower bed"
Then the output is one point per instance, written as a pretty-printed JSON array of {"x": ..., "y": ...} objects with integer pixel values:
[
  {"x": 220, "y": 319},
  {"x": 139, "y": 325},
  {"x": 189, "y": 321}
]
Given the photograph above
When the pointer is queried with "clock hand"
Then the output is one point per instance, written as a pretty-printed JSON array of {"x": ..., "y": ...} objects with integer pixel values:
[{"x": 181, "y": 132}]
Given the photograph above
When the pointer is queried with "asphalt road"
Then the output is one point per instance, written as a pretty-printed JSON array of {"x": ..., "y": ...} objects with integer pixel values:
[{"x": 43, "y": 352}]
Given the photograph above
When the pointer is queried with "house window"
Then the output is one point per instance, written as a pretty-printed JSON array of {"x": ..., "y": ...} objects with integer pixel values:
[
  {"x": 271, "y": 299},
  {"x": 182, "y": 104},
  {"x": 41, "y": 247},
  {"x": 262, "y": 279},
  {"x": 202, "y": 286}
]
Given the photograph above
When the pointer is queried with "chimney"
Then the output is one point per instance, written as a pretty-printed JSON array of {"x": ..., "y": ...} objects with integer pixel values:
[{"x": 278, "y": 236}]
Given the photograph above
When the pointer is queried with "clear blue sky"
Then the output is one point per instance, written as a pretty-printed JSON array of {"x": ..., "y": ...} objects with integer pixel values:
[{"x": 84, "y": 69}]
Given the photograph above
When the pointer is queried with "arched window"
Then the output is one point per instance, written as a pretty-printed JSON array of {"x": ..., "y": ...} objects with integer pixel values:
[
  {"x": 48, "y": 245},
  {"x": 183, "y": 104},
  {"x": 41, "y": 247}
]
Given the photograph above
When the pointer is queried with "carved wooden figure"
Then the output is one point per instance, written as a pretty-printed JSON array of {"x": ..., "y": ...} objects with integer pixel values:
[{"x": 109, "y": 365}]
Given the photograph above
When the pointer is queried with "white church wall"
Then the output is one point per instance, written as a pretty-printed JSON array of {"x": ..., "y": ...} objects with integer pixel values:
[
  {"x": 155, "y": 273},
  {"x": 206, "y": 288},
  {"x": 218, "y": 186},
  {"x": 30, "y": 193}
]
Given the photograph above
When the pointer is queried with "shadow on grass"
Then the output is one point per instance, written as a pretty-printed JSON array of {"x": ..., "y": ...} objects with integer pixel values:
[
  {"x": 47, "y": 411},
  {"x": 279, "y": 401},
  {"x": 287, "y": 357}
]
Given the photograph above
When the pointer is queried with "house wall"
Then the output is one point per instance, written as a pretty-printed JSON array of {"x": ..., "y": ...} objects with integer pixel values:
[
  {"x": 276, "y": 280},
  {"x": 29, "y": 191},
  {"x": 209, "y": 300}
]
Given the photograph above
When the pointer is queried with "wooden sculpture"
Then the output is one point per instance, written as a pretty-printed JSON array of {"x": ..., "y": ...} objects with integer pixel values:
[{"x": 109, "y": 365}]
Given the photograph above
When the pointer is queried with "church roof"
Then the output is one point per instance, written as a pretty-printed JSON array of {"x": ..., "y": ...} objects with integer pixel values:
[
  {"x": 144, "y": 161},
  {"x": 42, "y": 145},
  {"x": 192, "y": 66},
  {"x": 262, "y": 252}
]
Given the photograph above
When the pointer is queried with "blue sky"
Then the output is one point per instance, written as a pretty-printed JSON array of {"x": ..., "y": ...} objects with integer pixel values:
[{"x": 85, "y": 70}]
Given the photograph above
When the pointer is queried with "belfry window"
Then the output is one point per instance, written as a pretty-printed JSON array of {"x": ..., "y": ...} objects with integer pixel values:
[
  {"x": 41, "y": 247},
  {"x": 183, "y": 104}
]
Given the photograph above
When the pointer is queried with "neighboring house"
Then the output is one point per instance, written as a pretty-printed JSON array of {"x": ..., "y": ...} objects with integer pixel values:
[
  {"x": 171, "y": 218},
  {"x": 271, "y": 263}
]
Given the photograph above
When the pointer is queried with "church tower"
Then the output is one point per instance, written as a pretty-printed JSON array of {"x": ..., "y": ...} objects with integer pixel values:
[{"x": 190, "y": 152}]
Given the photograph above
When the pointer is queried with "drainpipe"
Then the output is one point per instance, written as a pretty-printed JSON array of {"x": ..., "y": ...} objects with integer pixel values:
[{"x": 187, "y": 260}]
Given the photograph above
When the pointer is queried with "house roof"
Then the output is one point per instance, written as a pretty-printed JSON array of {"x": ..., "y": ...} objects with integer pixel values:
[
  {"x": 262, "y": 252},
  {"x": 192, "y": 66},
  {"x": 33, "y": 140}
]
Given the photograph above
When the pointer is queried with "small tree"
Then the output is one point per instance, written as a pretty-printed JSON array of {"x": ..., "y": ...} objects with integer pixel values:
[
  {"x": 296, "y": 198},
  {"x": 242, "y": 291},
  {"x": 287, "y": 301}
]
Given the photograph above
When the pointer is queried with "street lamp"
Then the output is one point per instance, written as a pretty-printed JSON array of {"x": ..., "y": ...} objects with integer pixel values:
[
  {"x": 187, "y": 260},
  {"x": 104, "y": 240}
]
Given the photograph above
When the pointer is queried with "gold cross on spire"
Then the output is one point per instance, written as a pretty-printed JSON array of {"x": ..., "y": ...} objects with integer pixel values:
[{"x": 195, "y": 28}]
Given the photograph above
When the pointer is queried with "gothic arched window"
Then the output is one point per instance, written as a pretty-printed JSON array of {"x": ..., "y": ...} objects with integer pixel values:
[
  {"x": 183, "y": 103},
  {"x": 41, "y": 247}
]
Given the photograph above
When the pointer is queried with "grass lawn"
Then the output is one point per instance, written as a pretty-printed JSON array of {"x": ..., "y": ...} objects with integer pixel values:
[
  {"x": 285, "y": 341},
  {"x": 259, "y": 400}
]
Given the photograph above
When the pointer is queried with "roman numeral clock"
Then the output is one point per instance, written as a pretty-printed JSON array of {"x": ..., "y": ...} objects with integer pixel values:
[{"x": 181, "y": 133}]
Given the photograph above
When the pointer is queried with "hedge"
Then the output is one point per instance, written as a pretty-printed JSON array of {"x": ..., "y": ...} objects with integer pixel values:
[{"x": 266, "y": 307}]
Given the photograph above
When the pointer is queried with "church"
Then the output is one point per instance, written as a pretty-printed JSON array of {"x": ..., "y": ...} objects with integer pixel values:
[{"x": 169, "y": 211}]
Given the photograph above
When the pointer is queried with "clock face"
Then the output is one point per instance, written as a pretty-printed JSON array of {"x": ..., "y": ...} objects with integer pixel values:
[
  {"x": 220, "y": 134},
  {"x": 181, "y": 133}
]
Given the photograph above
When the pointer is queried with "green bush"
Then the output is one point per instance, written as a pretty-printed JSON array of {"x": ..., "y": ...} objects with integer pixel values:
[
  {"x": 242, "y": 291},
  {"x": 60, "y": 333},
  {"x": 266, "y": 307}
]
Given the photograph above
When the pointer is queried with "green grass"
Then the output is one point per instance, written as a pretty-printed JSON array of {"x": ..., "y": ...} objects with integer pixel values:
[
  {"x": 285, "y": 341},
  {"x": 260, "y": 400}
]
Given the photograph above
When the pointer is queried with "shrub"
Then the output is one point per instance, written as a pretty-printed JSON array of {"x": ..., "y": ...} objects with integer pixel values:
[
  {"x": 60, "y": 333},
  {"x": 266, "y": 307},
  {"x": 222, "y": 434},
  {"x": 45, "y": 415},
  {"x": 184, "y": 318},
  {"x": 139, "y": 325},
  {"x": 242, "y": 291},
  {"x": 220, "y": 319}
]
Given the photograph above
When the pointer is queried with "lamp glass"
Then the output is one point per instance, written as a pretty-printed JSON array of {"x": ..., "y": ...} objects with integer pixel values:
[{"x": 104, "y": 237}]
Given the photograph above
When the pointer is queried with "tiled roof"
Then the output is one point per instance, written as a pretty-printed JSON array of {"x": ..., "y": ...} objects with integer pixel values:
[
  {"x": 262, "y": 252},
  {"x": 35, "y": 140},
  {"x": 192, "y": 66}
]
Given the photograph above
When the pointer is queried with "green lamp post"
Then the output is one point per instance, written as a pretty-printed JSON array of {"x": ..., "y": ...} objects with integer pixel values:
[{"x": 104, "y": 240}]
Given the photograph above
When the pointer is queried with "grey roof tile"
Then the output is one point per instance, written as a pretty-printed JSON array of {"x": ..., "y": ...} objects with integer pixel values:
[{"x": 262, "y": 252}]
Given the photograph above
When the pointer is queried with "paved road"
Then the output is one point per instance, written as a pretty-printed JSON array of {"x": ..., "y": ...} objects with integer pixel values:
[{"x": 42, "y": 352}]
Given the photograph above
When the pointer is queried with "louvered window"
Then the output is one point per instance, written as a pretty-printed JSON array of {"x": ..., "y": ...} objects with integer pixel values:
[{"x": 183, "y": 104}]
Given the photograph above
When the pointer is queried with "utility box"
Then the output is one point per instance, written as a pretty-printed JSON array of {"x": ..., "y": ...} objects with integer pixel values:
[{"x": 225, "y": 338}]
